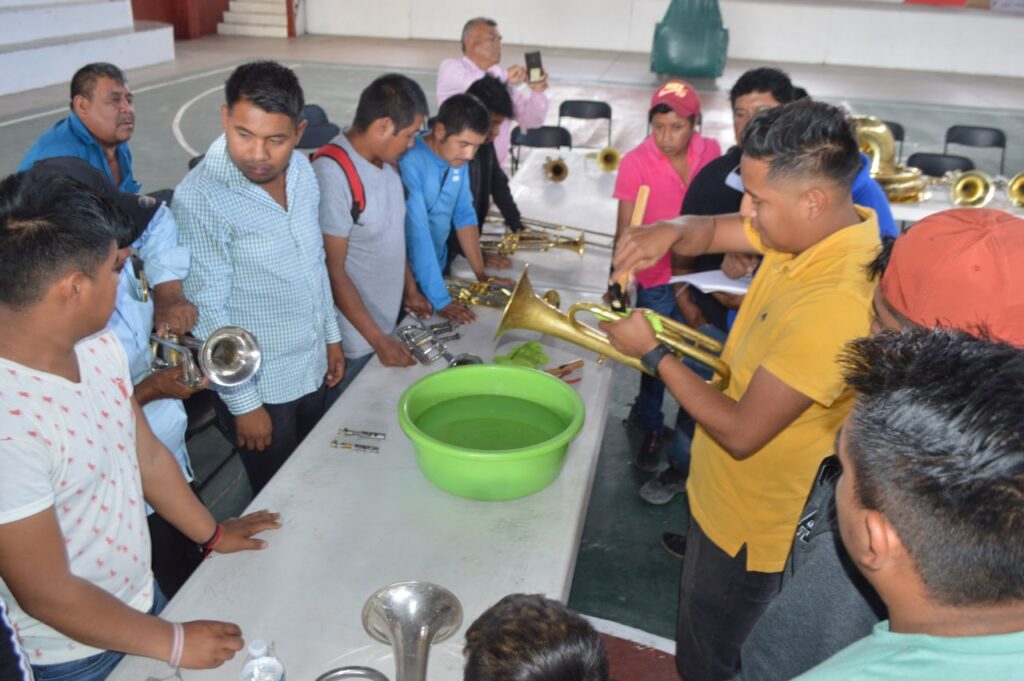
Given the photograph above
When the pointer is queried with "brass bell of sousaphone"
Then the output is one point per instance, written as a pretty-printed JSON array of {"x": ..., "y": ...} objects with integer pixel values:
[
  {"x": 526, "y": 310},
  {"x": 411, "y": 616},
  {"x": 229, "y": 357}
]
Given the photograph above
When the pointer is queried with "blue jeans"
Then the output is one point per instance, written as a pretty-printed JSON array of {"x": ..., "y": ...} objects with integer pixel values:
[
  {"x": 96, "y": 667},
  {"x": 353, "y": 365},
  {"x": 647, "y": 407},
  {"x": 678, "y": 448}
]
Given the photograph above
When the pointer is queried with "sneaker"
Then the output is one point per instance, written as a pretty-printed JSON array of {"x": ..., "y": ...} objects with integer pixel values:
[
  {"x": 633, "y": 422},
  {"x": 664, "y": 486},
  {"x": 674, "y": 544},
  {"x": 649, "y": 452}
]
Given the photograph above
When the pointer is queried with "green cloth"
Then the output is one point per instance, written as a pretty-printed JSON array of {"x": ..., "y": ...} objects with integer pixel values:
[{"x": 912, "y": 657}]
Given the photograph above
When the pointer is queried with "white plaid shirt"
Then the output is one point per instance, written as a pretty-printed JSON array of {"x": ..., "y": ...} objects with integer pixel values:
[{"x": 258, "y": 266}]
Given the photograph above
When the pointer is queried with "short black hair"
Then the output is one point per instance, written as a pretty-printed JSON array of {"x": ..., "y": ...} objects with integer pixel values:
[
  {"x": 468, "y": 26},
  {"x": 937, "y": 447},
  {"x": 876, "y": 268},
  {"x": 269, "y": 85},
  {"x": 84, "y": 80},
  {"x": 494, "y": 95},
  {"x": 393, "y": 96},
  {"x": 532, "y": 638},
  {"x": 804, "y": 139},
  {"x": 664, "y": 108},
  {"x": 463, "y": 112},
  {"x": 763, "y": 79},
  {"x": 50, "y": 224}
]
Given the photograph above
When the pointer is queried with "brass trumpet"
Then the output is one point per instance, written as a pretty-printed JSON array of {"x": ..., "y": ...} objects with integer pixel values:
[
  {"x": 472, "y": 292},
  {"x": 526, "y": 310},
  {"x": 511, "y": 242},
  {"x": 556, "y": 170},
  {"x": 607, "y": 159}
]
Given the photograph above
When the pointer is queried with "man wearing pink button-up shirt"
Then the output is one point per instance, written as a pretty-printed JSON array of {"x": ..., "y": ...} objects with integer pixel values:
[{"x": 481, "y": 49}]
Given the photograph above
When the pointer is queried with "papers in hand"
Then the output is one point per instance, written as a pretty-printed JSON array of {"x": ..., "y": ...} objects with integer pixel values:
[{"x": 713, "y": 281}]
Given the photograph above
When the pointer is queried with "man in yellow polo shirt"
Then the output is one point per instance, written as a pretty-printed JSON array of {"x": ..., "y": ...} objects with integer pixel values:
[{"x": 759, "y": 443}]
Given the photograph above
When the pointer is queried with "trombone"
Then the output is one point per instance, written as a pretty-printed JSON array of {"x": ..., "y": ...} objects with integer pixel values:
[
  {"x": 541, "y": 226},
  {"x": 528, "y": 240},
  {"x": 526, "y": 310}
]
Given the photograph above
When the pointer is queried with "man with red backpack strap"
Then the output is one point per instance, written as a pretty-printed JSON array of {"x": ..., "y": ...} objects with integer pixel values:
[{"x": 362, "y": 215}]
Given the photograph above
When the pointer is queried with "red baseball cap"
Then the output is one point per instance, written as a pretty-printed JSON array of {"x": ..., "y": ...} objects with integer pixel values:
[
  {"x": 961, "y": 269},
  {"x": 679, "y": 96}
]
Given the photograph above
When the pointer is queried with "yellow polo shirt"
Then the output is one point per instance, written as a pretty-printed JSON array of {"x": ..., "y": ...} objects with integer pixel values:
[{"x": 797, "y": 317}]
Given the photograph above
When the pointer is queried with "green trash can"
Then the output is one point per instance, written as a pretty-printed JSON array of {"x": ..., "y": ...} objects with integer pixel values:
[{"x": 690, "y": 40}]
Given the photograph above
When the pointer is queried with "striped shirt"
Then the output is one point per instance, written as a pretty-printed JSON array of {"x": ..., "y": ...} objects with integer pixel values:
[{"x": 261, "y": 267}]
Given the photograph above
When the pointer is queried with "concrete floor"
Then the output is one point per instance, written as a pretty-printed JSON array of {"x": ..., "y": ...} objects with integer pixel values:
[{"x": 622, "y": 574}]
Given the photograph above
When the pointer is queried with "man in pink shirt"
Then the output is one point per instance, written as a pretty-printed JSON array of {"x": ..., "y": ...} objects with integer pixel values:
[
  {"x": 481, "y": 49},
  {"x": 667, "y": 161}
]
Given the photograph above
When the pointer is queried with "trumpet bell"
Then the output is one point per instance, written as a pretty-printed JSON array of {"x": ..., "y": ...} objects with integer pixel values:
[
  {"x": 412, "y": 616},
  {"x": 230, "y": 356},
  {"x": 971, "y": 188},
  {"x": 607, "y": 159},
  {"x": 556, "y": 170},
  {"x": 1015, "y": 190}
]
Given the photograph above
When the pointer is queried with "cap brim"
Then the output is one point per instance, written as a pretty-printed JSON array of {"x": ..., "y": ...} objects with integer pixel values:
[{"x": 316, "y": 136}]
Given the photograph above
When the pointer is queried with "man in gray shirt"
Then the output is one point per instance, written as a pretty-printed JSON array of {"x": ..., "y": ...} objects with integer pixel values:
[{"x": 362, "y": 215}]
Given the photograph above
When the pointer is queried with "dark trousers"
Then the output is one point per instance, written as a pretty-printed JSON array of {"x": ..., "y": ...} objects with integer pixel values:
[
  {"x": 175, "y": 556},
  {"x": 647, "y": 406},
  {"x": 719, "y": 603},
  {"x": 291, "y": 423}
]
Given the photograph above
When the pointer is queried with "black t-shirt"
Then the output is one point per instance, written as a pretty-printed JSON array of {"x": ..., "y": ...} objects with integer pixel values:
[{"x": 709, "y": 195}]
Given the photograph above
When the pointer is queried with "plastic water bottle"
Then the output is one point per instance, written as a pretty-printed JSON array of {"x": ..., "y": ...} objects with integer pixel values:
[{"x": 261, "y": 664}]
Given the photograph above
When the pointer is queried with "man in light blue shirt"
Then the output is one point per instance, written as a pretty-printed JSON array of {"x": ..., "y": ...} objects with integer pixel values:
[
  {"x": 439, "y": 198},
  {"x": 929, "y": 500},
  {"x": 249, "y": 215}
]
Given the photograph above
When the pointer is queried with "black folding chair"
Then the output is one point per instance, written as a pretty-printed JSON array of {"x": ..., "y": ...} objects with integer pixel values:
[
  {"x": 550, "y": 136},
  {"x": 975, "y": 136},
  {"x": 589, "y": 109},
  {"x": 937, "y": 165},
  {"x": 897, "y": 134}
]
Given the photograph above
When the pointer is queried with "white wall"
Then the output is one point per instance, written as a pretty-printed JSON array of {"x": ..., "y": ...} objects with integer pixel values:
[{"x": 881, "y": 33}]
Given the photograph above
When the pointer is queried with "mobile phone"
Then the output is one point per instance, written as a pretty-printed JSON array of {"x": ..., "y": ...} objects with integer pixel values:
[{"x": 534, "y": 70}]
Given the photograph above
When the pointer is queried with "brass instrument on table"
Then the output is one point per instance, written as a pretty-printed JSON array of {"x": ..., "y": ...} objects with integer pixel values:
[
  {"x": 607, "y": 159},
  {"x": 902, "y": 184},
  {"x": 472, "y": 292},
  {"x": 526, "y": 310},
  {"x": 527, "y": 240},
  {"x": 411, "y": 616},
  {"x": 556, "y": 170},
  {"x": 229, "y": 357},
  {"x": 541, "y": 225},
  {"x": 974, "y": 188},
  {"x": 427, "y": 347}
]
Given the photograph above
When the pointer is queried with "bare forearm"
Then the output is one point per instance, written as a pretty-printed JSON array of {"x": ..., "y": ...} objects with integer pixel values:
[
  {"x": 469, "y": 240},
  {"x": 168, "y": 292},
  {"x": 715, "y": 412},
  {"x": 166, "y": 490}
]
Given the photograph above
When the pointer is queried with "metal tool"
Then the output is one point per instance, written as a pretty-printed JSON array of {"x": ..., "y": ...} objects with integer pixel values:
[
  {"x": 340, "y": 444},
  {"x": 373, "y": 435}
]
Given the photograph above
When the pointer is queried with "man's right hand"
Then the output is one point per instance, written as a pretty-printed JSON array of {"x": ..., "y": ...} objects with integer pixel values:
[
  {"x": 639, "y": 249},
  {"x": 392, "y": 352},
  {"x": 254, "y": 430},
  {"x": 210, "y": 644},
  {"x": 516, "y": 75},
  {"x": 164, "y": 384},
  {"x": 457, "y": 312}
]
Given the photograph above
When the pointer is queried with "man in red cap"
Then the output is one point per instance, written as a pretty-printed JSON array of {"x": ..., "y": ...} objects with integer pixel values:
[
  {"x": 667, "y": 162},
  {"x": 958, "y": 269}
]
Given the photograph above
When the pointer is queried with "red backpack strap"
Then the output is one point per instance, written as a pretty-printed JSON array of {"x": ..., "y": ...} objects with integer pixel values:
[{"x": 355, "y": 184}]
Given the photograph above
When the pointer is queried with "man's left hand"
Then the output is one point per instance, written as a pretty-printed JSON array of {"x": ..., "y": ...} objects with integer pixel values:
[
  {"x": 171, "y": 309},
  {"x": 516, "y": 75},
  {"x": 236, "y": 533},
  {"x": 335, "y": 364},
  {"x": 632, "y": 336}
]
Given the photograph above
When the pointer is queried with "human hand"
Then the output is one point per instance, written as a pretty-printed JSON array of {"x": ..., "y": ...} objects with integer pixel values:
[
  {"x": 729, "y": 300},
  {"x": 254, "y": 429},
  {"x": 457, "y": 312},
  {"x": 503, "y": 282},
  {"x": 236, "y": 533},
  {"x": 174, "y": 313},
  {"x": 209, "y": 644},
  {"x": 416, "y": 304},
  {"x": 692, "y": 314},
  {"x": 539, "y": 85},
  {"x": 392, "y": 352},
  {"x": 497, "y": 262},
  {"x": 166, "y": 384},
  {"x": 516, "y": 75},
  {"x": 632, "y": 335},
  {"x": 739, "y": 265},
  {"x": 335, "y": 364},
  {"x": 638, "y": 249}
]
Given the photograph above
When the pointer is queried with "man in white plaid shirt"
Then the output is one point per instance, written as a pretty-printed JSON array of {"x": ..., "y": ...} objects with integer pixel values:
[{"x": 249, "y": 214}]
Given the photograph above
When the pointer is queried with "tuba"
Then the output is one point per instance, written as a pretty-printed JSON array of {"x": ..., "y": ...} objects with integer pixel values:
[
  {"x": 555, "y": 170},
  {"x": 411, "y": 616},
  {"x": 902, "y": 184},
  {"x": 526, "y": 310},
  {"x": 229, "y": 357}
]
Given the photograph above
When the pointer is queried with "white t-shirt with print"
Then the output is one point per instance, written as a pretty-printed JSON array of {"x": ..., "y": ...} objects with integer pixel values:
[{"x": 71, "y": 446}]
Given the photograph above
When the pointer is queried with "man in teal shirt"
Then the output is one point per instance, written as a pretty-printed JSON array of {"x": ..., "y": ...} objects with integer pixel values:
[{"x": 929, "y": 506}]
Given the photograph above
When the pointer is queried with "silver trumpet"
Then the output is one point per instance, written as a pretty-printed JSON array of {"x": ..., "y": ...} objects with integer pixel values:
[
  {"x": 411, "y": 616},
  {"x": 425, "y": 345},
  {"x": 229, "y": 357}
]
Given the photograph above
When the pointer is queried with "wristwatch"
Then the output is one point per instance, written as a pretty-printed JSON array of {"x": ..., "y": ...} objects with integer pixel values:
[{"x": 653, "y": 358}]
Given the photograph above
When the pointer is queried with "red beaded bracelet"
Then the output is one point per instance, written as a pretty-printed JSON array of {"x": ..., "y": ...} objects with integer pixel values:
[{"x": 207, "y": 547}]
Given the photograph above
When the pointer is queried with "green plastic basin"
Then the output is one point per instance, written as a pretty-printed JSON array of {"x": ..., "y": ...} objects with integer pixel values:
[{"x": 490, "y": 432}]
